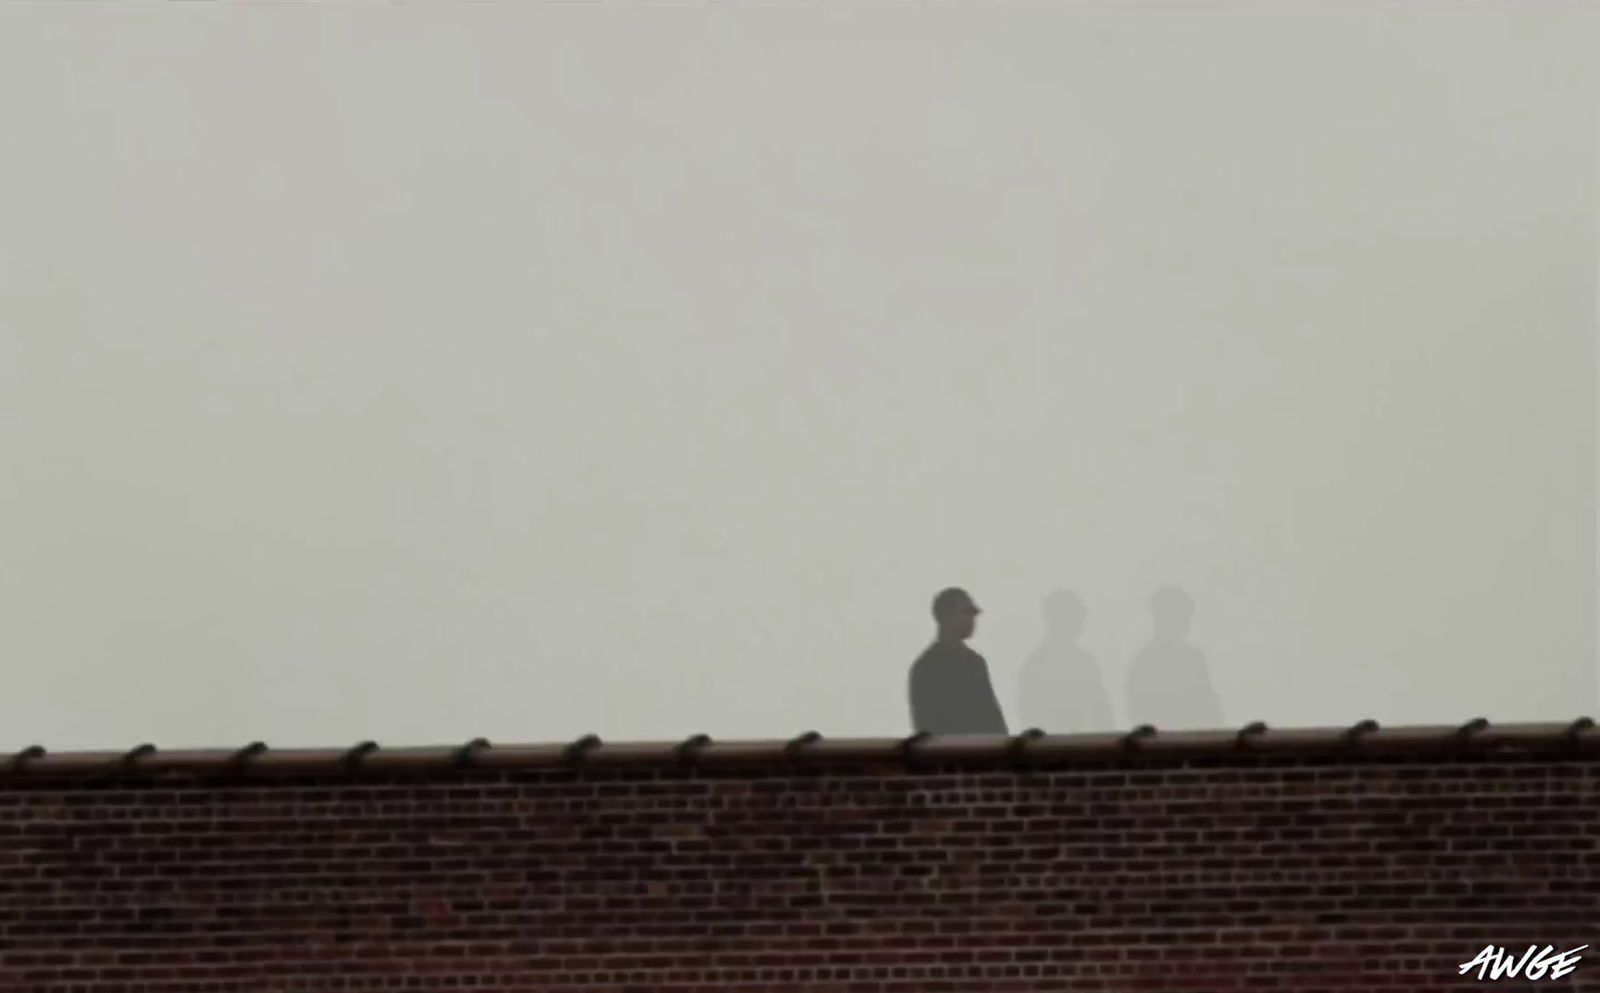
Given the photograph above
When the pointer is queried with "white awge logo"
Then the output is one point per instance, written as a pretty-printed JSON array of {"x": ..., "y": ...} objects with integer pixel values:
[{"x": 1494, "y": 961}]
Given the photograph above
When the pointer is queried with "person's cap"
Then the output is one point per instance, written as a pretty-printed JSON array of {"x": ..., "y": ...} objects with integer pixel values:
[{"x": 954, "y": 599}]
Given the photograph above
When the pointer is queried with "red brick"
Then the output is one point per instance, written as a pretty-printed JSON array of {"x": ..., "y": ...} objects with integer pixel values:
[{"x": 1338, "y": 874}]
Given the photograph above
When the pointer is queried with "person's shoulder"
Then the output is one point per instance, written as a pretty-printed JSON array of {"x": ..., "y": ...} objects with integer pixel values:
[{"x": 935, "y": 656}]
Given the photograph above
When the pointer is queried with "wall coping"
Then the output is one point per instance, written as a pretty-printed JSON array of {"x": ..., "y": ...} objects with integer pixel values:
[{"x": 1365, "y": 738}]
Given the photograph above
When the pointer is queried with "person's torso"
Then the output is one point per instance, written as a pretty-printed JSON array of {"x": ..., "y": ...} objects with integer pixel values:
[
  {"x": 953, "y": 680},
  {"x": 1062, "y": 691}
]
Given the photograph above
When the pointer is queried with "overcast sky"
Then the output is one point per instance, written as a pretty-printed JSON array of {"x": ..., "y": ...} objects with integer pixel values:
[{"x": 423, "y": 372}]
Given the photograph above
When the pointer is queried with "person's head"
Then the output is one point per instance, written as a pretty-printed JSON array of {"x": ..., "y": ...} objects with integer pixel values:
[
  {"x": 1063, "y": 614},
  {"x": 1174, "y": 611},
  {"x": 955, "y": 613}
]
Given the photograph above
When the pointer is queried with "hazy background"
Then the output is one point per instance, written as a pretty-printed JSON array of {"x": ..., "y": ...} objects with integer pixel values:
[{"x": 425, "y": 372}]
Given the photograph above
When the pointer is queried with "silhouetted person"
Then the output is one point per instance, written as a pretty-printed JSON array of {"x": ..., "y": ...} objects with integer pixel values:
[
  {"x": 1062, "y": 689},
  {"x": 1168, "y": 684},
  {"x": 950, "y": 689}
]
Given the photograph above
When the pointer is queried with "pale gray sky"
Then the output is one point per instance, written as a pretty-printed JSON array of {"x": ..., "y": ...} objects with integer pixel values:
[{"x": 422, "y": 372}]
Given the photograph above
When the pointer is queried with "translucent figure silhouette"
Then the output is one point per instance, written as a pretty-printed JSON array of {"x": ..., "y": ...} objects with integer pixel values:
[
  {"x": 1063, "y": 691},
  {"x": 1168, "y": 683},
  {"x": 949, "y": 684}
]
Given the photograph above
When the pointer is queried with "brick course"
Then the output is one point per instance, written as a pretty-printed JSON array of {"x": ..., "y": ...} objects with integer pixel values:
[{"x": 1179, "y": 875}]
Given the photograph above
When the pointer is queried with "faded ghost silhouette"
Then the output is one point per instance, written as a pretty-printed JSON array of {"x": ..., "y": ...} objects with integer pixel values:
[
  {"x": 1063, "y": 691},
  {"x": 949, "y": 684},
  {"x": 1168, "y": 682}
]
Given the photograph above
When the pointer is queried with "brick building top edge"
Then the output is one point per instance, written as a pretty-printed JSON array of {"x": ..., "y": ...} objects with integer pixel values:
[{"x": 1363, "y": 738}]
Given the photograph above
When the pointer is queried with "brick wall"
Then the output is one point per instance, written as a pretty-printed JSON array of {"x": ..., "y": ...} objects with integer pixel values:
[{"x": 1191, "y": 875}]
